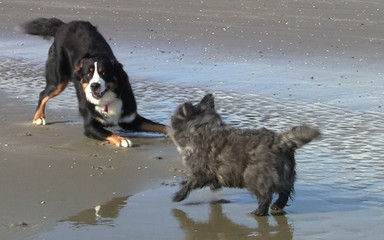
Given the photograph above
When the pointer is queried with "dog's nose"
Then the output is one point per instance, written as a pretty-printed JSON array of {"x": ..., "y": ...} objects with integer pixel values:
[{"x": 95, "y": 86}]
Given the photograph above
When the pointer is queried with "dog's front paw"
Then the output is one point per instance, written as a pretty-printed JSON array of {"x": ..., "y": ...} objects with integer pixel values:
[
  {"x": 276, "y": 210},
  {"x": 119, "y": 141},
  {"x": 126, "y": 143},
  {"x": 39, "y": 121},
  {"x": 260, "y": 212},
  {"x": 178, "y": 197}
]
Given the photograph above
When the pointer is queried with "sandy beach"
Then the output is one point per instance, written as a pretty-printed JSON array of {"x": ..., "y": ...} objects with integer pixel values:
[
  {"x": 53, "y": 172},
  {"x": 273, "y": 64}
]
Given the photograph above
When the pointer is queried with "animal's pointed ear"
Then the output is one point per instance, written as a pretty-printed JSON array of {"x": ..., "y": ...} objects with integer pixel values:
[
  {"x": 188, "y": 109},
  {"x": 208, "y": 101}
]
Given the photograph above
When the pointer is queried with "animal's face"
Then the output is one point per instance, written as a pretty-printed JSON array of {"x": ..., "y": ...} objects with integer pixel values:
[
  {"x": 188, "y": 117},
  {"x": 97, "y": 79},
  {"x": 187, "y": 111}
]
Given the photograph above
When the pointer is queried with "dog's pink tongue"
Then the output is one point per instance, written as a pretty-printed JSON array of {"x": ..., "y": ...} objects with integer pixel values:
[{"x": 106, "y": 108}]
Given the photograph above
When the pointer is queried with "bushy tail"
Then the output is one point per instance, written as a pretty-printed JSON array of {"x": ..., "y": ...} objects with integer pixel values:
[
  {"x": 46, "y": 27},
  {"x": 299, "y": 136}
]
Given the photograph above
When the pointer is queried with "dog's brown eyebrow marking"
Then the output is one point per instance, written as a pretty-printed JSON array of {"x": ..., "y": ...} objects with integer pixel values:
[
  {"x": 85, "y": 85},
  {"x": 111, "y": 86},
  {"x": 91, "y": 69}
]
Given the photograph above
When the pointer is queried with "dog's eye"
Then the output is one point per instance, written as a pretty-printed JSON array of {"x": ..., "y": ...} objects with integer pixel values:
[{"x": 89, "y": 75}]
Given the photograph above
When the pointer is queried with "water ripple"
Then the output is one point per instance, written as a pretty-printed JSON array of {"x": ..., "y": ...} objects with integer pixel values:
[{"x": 349, "y": 153}]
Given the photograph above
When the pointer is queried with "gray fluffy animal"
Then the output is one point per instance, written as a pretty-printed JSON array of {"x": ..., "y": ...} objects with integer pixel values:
[{"x": 218, "y": 155}]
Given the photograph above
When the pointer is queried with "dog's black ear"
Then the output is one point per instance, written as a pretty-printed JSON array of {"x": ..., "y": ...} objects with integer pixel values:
[
  {"x": 79, "y": 67},
  {"x": 208, "y": 101},
  {"x": 119, "y": 74},
  {"x": 188, "y": 109},
  {"x": 118, "y": 69}
]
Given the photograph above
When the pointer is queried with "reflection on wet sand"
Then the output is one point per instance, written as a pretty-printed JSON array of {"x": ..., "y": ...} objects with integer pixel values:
[
  {"x": 99, "y": 215},
  {"x": 219, "y": 226},
  {"x": 320, "y": 212}
]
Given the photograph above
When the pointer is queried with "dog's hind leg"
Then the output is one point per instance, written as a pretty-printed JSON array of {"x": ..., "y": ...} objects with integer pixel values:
[
  {"x": 55, "y": 84},
  {"x": 287, "y": 187},
  {"x": 259, "y": 180},
  {"x": 49, "y": 92},
  {"x": 264, "y": 202},
  {"x": 281, "y": 202},
  {"x": 142, "y": 124}
]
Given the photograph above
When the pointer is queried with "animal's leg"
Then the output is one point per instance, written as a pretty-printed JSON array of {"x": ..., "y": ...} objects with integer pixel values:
[
  {"x": 192, "y": 183},
  {"x": 285, "y": 192},
  {"x": 96, "y": 130},
  {"x": 140, "y": 123},
  {"x": 259, "y": 181},
  {"x": 55, "y": 84},
  {"x": 119, "y": 141},
  {"x": 281, "y": 202},
  {"x": 215, "y": 185},
  {"x": 49, "y": 92},
  {"x": 264, "y": 202},
  {"x": 183, "y": 192}
]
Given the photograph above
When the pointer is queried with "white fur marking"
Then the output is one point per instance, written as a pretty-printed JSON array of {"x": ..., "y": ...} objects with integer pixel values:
[
  {"x": 95, "y": 79},
  {"x": 39, "y": 121},
  {"x": 129, "y": 118},
  {"x": 126, "y": 143},
  {"x": 114, "y": 108},
  {"x": 114, "y": 105}
]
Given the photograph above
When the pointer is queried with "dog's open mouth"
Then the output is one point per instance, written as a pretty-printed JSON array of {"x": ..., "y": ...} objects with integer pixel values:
[{"x": 98, "y": 94}]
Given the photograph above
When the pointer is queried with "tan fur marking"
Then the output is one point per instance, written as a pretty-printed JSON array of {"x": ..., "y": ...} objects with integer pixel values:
[
  {"x": 79, "y": 66},
  {"x": 40, "y": 112},
  {"x": 85, "y": 85},
  {"x": 153, "y": 128},
  {"x": 115, "y": 139},
  {"x": 59, "y": 89},
  {"x": 111, "y": 86}
]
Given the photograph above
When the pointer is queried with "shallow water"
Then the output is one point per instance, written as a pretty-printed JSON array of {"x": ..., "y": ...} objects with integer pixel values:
[
  {"x": 152, "y": 215},
  {"x": 340, "y": 187}
]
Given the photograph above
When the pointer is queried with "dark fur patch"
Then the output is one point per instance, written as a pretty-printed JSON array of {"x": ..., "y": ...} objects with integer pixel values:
[{"x": 218, "y": 155}]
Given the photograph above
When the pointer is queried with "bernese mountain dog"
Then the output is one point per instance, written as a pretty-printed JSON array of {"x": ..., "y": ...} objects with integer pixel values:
[{"x": 80, "y": 54}]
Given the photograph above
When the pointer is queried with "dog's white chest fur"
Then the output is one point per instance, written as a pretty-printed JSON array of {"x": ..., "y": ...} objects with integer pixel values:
[{"x": 111, "y": 112}]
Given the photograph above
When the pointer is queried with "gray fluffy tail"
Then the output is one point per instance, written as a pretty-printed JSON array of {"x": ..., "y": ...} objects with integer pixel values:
[
  {"x": 299, "y": 136},
  {"x": 46, "y": 27}
]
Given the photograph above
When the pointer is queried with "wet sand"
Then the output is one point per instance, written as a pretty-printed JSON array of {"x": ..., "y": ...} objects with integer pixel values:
[
  {"x": 50, "y": 173},
  {"x": 272, "y": 64}
]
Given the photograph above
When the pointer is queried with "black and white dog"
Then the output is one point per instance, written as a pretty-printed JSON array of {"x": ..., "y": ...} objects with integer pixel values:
[{"x": 79, "y": 53}]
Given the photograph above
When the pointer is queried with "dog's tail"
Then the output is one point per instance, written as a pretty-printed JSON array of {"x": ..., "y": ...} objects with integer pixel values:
[
  {"x": 299, "y": 136},
  {"x": 46, "y": 27}
]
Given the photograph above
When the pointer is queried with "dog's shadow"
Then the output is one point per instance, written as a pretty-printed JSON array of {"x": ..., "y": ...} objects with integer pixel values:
[
  {"x": 219, "y": 226},
  {"x": 60, "y": 122},
  {"x": 66, "y": 122}
]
